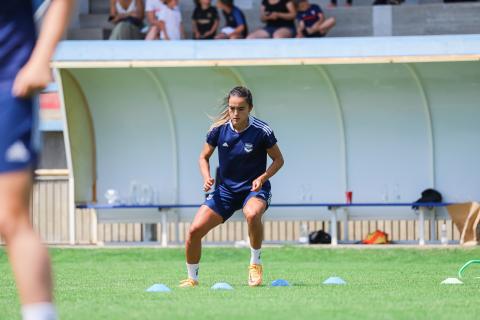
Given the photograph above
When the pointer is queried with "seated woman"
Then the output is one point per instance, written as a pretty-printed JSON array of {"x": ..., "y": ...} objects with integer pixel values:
[
  {"x": 279, "y": 18},
  {"x": 127, "y": 15}
]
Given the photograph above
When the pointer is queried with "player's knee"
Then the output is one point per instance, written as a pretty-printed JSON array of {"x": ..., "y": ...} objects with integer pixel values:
[
  {"x": 195, "y": 233},
  {"x": 13, "y": 217},
  {"x": 252, "y": 216}
]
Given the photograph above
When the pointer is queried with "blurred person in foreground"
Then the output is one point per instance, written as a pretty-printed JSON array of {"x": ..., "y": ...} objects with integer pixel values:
[{"x": 24, "y": 70}]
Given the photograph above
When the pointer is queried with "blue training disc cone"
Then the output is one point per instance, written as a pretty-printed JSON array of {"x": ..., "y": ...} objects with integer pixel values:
[
  {"x": 158, "y": 287},
  {"x": 335, "y": 281},
  {"x": 222, "y": 286},
  {"x": 280, "y": 283}
]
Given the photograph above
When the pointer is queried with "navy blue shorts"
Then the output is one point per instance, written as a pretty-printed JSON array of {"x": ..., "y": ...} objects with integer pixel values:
[
  {"x": 225, "y": 202},
  {"x": 313, "y": 35},
  {"x": 18, "y": 135},
  {"x": 271, "y": 30}
]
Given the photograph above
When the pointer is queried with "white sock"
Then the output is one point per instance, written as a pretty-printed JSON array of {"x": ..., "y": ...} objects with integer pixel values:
[
  {"x": 39, "y": 311},
  {"x": 193, "y": 271},
  {"x": 255, "y": 256}
]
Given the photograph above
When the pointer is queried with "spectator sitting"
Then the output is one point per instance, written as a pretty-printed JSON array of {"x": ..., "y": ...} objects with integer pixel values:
[
  {"x": 204, "y": 20},
  {"x": 169, "y": 23},
  {"x": 389, "y": 2},
  {"x": 333, "y": 4},
  {"x": 311, "y": 21},
  {"x": 279, "y": 17},
  {"x": 153, "y": 9},
  {"x": 127, "y": 16},
  {"x": 236, "y": 24}
]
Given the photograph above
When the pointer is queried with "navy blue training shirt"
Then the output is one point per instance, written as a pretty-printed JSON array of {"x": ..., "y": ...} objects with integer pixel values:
[
  {"x": 242, "y": 155},
  {"x": 17, "y": 36},
  {"x": 309, "y": 16}
]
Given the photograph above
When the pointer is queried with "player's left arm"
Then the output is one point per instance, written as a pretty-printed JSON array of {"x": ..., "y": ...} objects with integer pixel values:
[
  {"x": 321, "y": 17},
  {"x": 277, "y": 162},
  {"x": 35, "y": 74}
]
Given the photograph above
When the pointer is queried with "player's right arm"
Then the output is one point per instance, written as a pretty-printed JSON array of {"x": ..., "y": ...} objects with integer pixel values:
[
  {"x": 35, "y": 75},
  {"x": 204, "y": 162}
]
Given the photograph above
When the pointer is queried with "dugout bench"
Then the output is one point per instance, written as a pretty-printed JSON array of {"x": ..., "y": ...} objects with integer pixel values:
[{"x": 157, "y": 213}]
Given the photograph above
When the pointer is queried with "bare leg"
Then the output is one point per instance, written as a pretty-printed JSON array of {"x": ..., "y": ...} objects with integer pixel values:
[
  {"x": 205, "y": 220},
  {"x": 29, "y": 258},
  {"x": 235, "y": 36},
  {"x": 152, "y": 34},
  {"x": 253, "y": 212},
  {"x": 323, "y": 27},
  {"x": 221, "y": 36},
  {"x": 327, "y": 25},
  {"x": 282, "y": 33},
  {"x": 259, "y": 34}
]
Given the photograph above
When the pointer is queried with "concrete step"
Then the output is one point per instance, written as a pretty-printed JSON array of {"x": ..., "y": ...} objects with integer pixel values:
[
  {"x": 103, "y": 6},
  {"x": 88, "y": 34},
  {"x": 99, "y": 6},
  {"x": 346, "y": 26},
  {"x": 95, "y": 21},
  {"x": 407, "y": 19},
  {"x": 458, "y": 18}
]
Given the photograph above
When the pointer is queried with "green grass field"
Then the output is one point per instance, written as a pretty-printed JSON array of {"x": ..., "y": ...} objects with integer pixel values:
[{"x": 381, "y": 284}]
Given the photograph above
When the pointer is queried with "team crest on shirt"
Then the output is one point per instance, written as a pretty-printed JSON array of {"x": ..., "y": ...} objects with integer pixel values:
[{"x": 248, "y": 147}]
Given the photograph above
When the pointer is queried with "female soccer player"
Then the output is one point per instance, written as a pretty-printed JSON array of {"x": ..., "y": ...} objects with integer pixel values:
[
  {"x": 24, "y": 69},
  {"x": 243, "y": 143}
]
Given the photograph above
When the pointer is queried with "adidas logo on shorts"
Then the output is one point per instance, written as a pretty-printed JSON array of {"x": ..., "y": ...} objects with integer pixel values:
[{"x": 17, "y": 153}]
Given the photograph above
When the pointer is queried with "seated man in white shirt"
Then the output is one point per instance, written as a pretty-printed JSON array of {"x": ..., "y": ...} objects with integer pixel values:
[{"x": 165, "y": 20}]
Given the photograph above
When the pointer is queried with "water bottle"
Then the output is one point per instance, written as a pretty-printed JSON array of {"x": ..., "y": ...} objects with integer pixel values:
[
  {"x": 303, "y": 233},
  {"x": 443, "y": 235},
  {"x": 396, "y": 192},
  {"x": 385, "y": 194},
  {"x": 112, "y": 196},
  {"x": 134, "y": 192},
  {"x": 146, "y": 195}
]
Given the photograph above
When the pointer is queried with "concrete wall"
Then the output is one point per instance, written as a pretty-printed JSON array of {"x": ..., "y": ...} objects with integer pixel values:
[
  {"x": 460, "y": 18},
  {"x": 412, "y": 18}
]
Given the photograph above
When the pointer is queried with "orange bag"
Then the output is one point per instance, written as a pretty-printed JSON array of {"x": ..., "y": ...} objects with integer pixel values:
[{"x": 376, "y": 237}]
